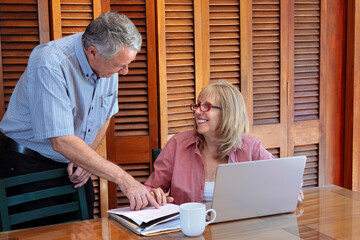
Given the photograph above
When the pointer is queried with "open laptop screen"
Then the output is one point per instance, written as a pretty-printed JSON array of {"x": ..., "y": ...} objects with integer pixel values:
[{"x": 257, "y": 188}]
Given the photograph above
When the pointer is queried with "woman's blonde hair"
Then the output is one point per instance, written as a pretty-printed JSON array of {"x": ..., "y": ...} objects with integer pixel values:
[{"x": 234, "y": 123}]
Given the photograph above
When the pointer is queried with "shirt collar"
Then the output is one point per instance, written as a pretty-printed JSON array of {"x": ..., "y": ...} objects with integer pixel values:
[
  {"x": 195, "y": 141},
  {"x": 84, "y": 64},
  {"x": 191, "y": 141}
]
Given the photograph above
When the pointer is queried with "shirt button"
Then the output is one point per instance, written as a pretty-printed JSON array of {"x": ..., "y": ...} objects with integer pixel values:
[
  {"x": 92, "y": 108},
  {"x": 87, "y": 75},
  {"x": 88, "y": 130}
]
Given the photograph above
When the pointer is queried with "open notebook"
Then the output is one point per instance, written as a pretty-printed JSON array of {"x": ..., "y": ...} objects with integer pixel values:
[
  {"x": 149, "y": 221},
  {"x": 258, "y": 188}
]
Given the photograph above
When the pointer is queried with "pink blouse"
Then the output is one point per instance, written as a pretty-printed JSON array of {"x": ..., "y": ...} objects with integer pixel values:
[{"x": 180, "y": 167}]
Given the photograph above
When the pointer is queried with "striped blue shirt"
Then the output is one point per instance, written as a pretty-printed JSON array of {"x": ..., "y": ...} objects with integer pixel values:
[{"x": 57, "y": 95}]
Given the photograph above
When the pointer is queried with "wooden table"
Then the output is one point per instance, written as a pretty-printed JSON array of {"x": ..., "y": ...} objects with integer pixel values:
[{"x": 328, "y": 212}]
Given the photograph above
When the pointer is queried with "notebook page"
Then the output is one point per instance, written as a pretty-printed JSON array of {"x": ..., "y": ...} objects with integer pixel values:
[{"x": 147, "y": 214}]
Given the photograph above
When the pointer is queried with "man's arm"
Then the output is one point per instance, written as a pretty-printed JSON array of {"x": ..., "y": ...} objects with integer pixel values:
[
  {"x": 81, "y": 154},
  {"x": 81, "y": 176}
]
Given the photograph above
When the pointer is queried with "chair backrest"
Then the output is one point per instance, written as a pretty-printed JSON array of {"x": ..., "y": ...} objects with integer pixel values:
[
  {"x": 78, "y": 204},
  {"x": 155, "y": 154}
]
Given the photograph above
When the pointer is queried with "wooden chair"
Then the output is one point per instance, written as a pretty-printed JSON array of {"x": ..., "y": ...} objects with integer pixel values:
[{"x": 78, "y": 204}]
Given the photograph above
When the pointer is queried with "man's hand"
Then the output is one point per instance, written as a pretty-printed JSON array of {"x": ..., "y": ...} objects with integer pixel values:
[
  {"x": 79, "y": 177},
  {"x": 160, "y": 196},
  {"x": 137, "y": 194}
]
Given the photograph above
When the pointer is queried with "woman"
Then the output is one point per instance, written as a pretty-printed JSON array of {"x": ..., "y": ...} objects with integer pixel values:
[{"x": 187, "y": 164}]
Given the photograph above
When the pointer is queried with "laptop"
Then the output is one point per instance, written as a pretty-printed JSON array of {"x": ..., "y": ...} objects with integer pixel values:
[{"x": 257, "y": 188}]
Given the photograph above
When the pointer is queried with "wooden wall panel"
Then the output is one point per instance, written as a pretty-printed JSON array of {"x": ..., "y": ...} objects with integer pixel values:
[
  {"x": 352, "y": 99},
  {"x": 332, "y": 76}
]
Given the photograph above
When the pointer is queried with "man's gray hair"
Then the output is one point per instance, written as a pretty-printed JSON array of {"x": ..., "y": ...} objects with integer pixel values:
[{"x": 110, "y": 33}]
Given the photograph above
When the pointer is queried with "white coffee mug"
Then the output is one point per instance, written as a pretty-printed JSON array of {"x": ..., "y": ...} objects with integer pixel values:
[{"x": 193, "y": 218}]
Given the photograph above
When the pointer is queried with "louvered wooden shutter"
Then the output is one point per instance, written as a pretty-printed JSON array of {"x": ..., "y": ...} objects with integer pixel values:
[
  {"x": 177, "y": 53},
  {"x": 20, "y": 32},
  {"x": 134, "y": 130},
  {"x": 225, "y": 41},
  {"x": 133, "y": 116},
  {"x": 266, "y": 62},
  {"x": 311, "y": 171},
  {"x": 286, "y": 79},
  {"x": 306, "y": 89},
  {"x": 267, "y": 100},
  {"x": 307, "y": 60},
  {"x": 280, "y": 76}
]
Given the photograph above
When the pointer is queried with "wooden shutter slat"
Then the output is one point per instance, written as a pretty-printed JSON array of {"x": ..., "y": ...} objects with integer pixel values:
[
  {"x": 266, "y": 65},
  {"x": 307, "y": 106},
  {"x": 308, "y": 68},
  {"x": 306, "y": 100},
  {"x": 75, "y": 8},
  {"x": 180, "y": 76},
  {"x": 268, "y": 77},
  {"x": 184, "y": 15},
  {"x": 19, "y": 31},
  {"x": 262, "y": 109},
  {"x": 181, "y": 89},
  {"x": 180, "y": 96},
  {"x": 80, "y": 15},
  {"x": 307, "y": 82},
  {"x": 85, "y": 2},
  {"x": 259, "y": 84},
  {"x": 226, "y": 22},
  {"x": 306, "y": 13},
  {"x": 132, "y": 112},
  {"x": 132, "y": 119},
  {"x": 267, "y": 96},
  {"x": 222, "y": 61},
  {"x": 181, "y": 109},
  {"x": 306, "y": 87},
  {"x": 77, "y": 23},
  {"x": 226, "y": 76},
  {"x": 18, "y": 15},
  {"x": 180, "y": 104}
]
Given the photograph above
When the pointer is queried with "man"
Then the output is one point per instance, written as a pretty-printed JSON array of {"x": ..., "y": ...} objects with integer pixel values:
[{"x": 61, "y": 107}]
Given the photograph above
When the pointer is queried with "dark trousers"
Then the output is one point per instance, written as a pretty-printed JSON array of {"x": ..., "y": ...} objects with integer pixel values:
[{"x": 13, "y": 164}]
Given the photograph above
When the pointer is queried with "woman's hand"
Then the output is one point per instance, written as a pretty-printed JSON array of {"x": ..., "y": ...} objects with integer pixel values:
[{"x": 160, "y": 196}]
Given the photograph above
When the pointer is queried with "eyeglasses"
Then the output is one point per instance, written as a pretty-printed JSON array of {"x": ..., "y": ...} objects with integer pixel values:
[{"x": 205, "y": 107}]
